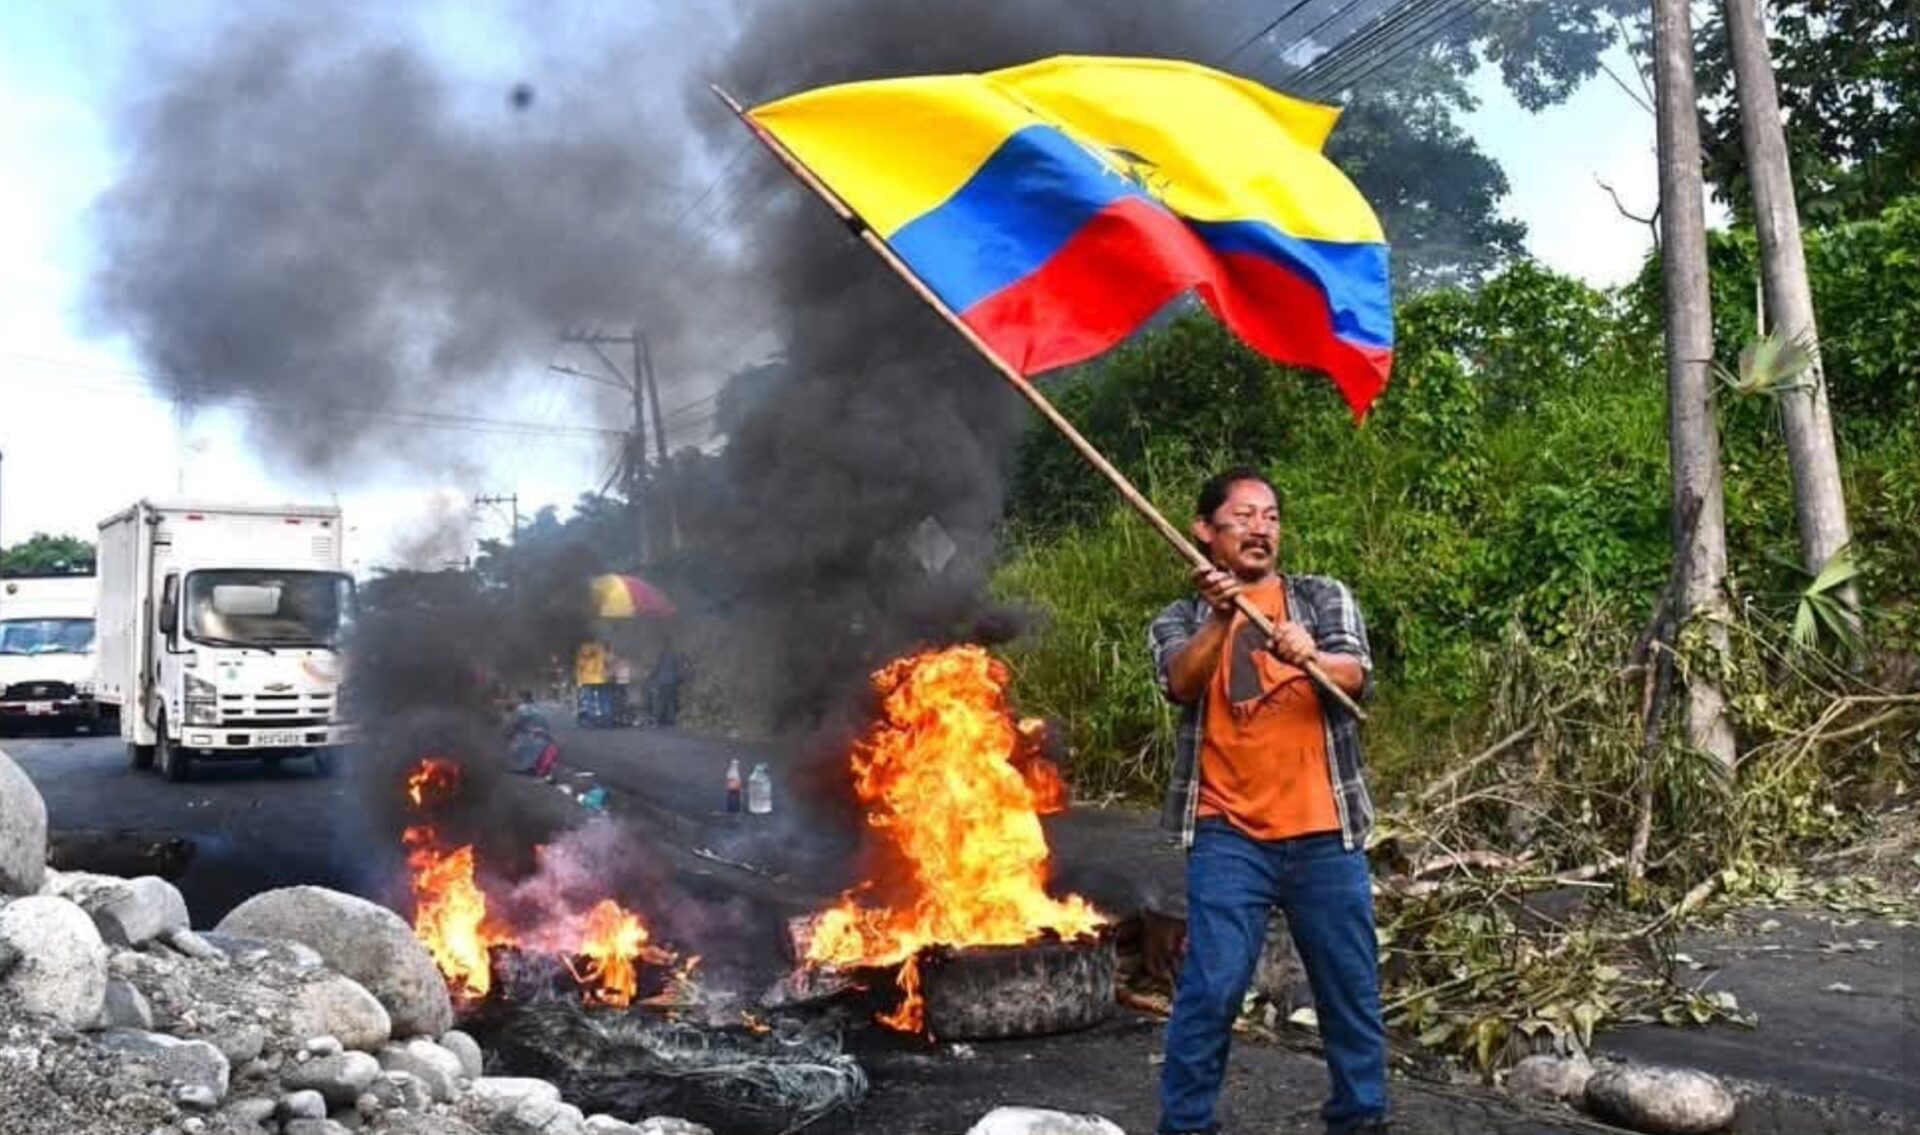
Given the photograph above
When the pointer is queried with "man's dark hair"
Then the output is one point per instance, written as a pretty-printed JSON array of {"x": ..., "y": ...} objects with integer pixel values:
[
  {"x": 526, "y": 695},
  {"x": 1213, "y": 494}
]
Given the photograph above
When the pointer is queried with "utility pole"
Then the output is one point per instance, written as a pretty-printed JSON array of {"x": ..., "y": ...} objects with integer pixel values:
[
  {"x": 1693, "y": 434},
  {"x": 644, "y": 391},
  {"x": 643, "y": 367},
  {"x": 1819, "y": 498}
]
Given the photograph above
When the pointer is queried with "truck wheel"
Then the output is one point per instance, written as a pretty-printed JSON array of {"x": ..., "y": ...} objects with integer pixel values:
[
  {"x": 140, "y": 756},
  {"x": 176, "y": 764}
]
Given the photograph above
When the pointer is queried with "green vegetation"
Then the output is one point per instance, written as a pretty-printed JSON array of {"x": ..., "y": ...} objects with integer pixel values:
[
  {"x": 1503, "y": 518},
  {"x": 1513, "y": 478},
  {"x": 47, "y": 555}
]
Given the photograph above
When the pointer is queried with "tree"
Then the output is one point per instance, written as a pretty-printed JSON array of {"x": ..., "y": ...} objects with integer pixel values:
[
  {"x": 1699, "y": 503},
  {"x": 48, "y": 555},
  {"x": 1849, "y": 78},
  {"x": 1437, "y": 193},
  {"x": 1820, "y": 503}
]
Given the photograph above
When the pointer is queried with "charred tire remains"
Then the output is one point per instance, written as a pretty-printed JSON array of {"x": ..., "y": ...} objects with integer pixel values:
[{"x": 993, "y": 992}]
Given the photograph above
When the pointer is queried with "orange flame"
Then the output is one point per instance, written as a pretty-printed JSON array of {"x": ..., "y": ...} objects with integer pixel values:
[
  {"x": 451, "y": 916},
  {"x": 450, "y": 913},
  {"x": 955, "y": 792},
  {"x": 611, "y": 939},
  {"x": 432, "y": 782}
]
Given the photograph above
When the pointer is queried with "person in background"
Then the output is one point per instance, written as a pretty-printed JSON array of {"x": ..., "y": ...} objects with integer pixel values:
[
  {"x": 621, "y": 691},
  {"x": 590, "y": 674},
  {"x": 663, "y": 686},
  {"x": 530, "y": 746}
]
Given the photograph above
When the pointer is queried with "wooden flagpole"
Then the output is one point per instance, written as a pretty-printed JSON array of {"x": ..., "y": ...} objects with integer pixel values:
[{"x": 1021, "y": 386}]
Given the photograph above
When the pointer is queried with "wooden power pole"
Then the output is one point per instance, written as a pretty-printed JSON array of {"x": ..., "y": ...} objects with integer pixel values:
[
  {"x": 644, "y": 391},
  {"x": 1693, "y": 434},
  {"x": 1819, "y": 498}
]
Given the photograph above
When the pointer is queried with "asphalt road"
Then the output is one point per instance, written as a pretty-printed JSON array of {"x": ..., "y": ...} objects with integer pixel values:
[
  {"x": 252, "y": 827},
  {"x": 255, "y": 828}
]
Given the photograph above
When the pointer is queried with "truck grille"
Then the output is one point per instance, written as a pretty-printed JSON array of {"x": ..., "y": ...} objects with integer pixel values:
[
  {"x": 38, "y": 691},
  {"x": 275, "y": 710}
]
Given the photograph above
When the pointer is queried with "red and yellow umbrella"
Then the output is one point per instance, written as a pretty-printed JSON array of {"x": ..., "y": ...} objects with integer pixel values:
[{"x": 630, "y": 597}]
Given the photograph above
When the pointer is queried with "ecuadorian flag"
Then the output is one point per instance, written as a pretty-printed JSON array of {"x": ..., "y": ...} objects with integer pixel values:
[{"x": 1055, "y": 207}]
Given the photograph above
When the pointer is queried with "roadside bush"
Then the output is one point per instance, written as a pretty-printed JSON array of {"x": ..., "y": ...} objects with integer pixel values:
[{"x": 1514, "y": 475}]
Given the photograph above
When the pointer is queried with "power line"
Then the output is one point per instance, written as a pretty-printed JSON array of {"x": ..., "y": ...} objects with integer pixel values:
[
  {"x": 1368, "y": 40},
  {"x": 1263, "y": 33},
  {"x": 178, "y": 394},
  {"x": 1417, "y": 25},
  {"x": 1309, "y": 36},
  {"x": 1411, "y": 42}
]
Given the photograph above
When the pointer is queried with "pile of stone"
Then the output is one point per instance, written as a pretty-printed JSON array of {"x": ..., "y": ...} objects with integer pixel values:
[
  {"x": 304, "y": 1012},
  {"x": 1638, "y": 1097}
]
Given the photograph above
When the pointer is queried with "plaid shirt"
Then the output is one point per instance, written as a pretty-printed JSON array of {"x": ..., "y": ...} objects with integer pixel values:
[{"x": 1328, "y": 611}]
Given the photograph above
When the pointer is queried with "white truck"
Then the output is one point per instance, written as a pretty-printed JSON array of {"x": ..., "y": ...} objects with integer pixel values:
[
  {"x": 46, "y": 651},
  {"x": 221, "y": 631}
]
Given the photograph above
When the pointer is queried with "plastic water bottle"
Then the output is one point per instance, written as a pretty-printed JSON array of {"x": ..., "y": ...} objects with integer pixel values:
[
  {"x": 733, "y": 785},
  {"x": 760, "y": 791}
]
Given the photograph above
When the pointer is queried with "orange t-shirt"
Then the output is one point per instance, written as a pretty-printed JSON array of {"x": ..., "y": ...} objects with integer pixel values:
[{"x": 1265, "y": 771}]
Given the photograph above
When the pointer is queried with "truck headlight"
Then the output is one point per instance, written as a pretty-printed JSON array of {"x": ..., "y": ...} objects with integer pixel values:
[{"x": 203, "y": 706}]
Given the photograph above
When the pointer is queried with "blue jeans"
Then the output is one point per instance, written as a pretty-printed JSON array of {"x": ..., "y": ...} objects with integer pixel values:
[{"x": 1233, "y": 883}]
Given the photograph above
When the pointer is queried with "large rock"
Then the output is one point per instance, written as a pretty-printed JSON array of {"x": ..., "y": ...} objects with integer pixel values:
[
  {"x": 367, "y": 942},
  {"x": 502, "y": 1092},
  {"x": 339, "y": 1079},
  {"x": 663, "y": 1125},
  {"x": 23, "y": 831},
  {"x": 340, "y": 1007},
  {"x": 424, "y": 1125},
  {"x": 1660, "y": 1100},
  {"x": 472, "y": 1060},
  {"x": 58, "y": 962},
  {"x": 535, "y": 1116},
  {"x": 128, "y": 912},
  {"x": 1546, "y": 1077},
  {"x": 433, "y": 1065},
  {"x": 401, "y": 1089},
  {"x": 303, "y": 1104},
  {"x": 127, "y": 1007},
  {"x": 179, "y": 1062},
  {"x": 251, "y": 1111},
  {"x": 1039, "y": 1121}
]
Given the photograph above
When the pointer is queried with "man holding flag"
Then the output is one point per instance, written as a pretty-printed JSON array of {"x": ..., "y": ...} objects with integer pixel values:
[
  {"x": 1047, "y": 212},
  {"x": 1268, "y": 795}
]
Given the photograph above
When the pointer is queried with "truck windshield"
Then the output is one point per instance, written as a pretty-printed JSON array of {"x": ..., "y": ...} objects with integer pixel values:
[
  {"x": 46, "y": 636},
  {"x": 260, "y": 607}
]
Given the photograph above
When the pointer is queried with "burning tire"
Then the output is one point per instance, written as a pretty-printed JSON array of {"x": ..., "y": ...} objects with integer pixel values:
[{"x": 986, "y": 993}]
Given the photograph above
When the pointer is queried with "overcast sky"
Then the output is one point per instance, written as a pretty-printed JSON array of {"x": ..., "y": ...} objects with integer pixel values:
[{"x": 83, "y": 434}]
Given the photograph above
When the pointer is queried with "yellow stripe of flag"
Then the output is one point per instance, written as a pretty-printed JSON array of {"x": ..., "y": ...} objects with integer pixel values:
[{"x": 1210, "y": 146}]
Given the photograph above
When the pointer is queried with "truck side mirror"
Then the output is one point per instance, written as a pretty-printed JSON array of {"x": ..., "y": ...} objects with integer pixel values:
[{"x": 170, "y": 611}]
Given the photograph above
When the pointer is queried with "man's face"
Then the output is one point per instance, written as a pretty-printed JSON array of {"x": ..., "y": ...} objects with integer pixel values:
[{"x": 1243, "y": 534}]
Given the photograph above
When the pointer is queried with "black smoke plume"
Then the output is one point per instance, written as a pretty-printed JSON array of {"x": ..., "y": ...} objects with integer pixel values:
[
  {"x": 884, "y": 417},
  {"x": 317, "y": 223},
  {"x": 320, "y": 224}
]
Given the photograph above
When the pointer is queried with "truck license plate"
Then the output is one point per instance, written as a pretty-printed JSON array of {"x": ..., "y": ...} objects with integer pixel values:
[
  {"x": 282, "y": 738},
  {"x": 39, "y": 708}
]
